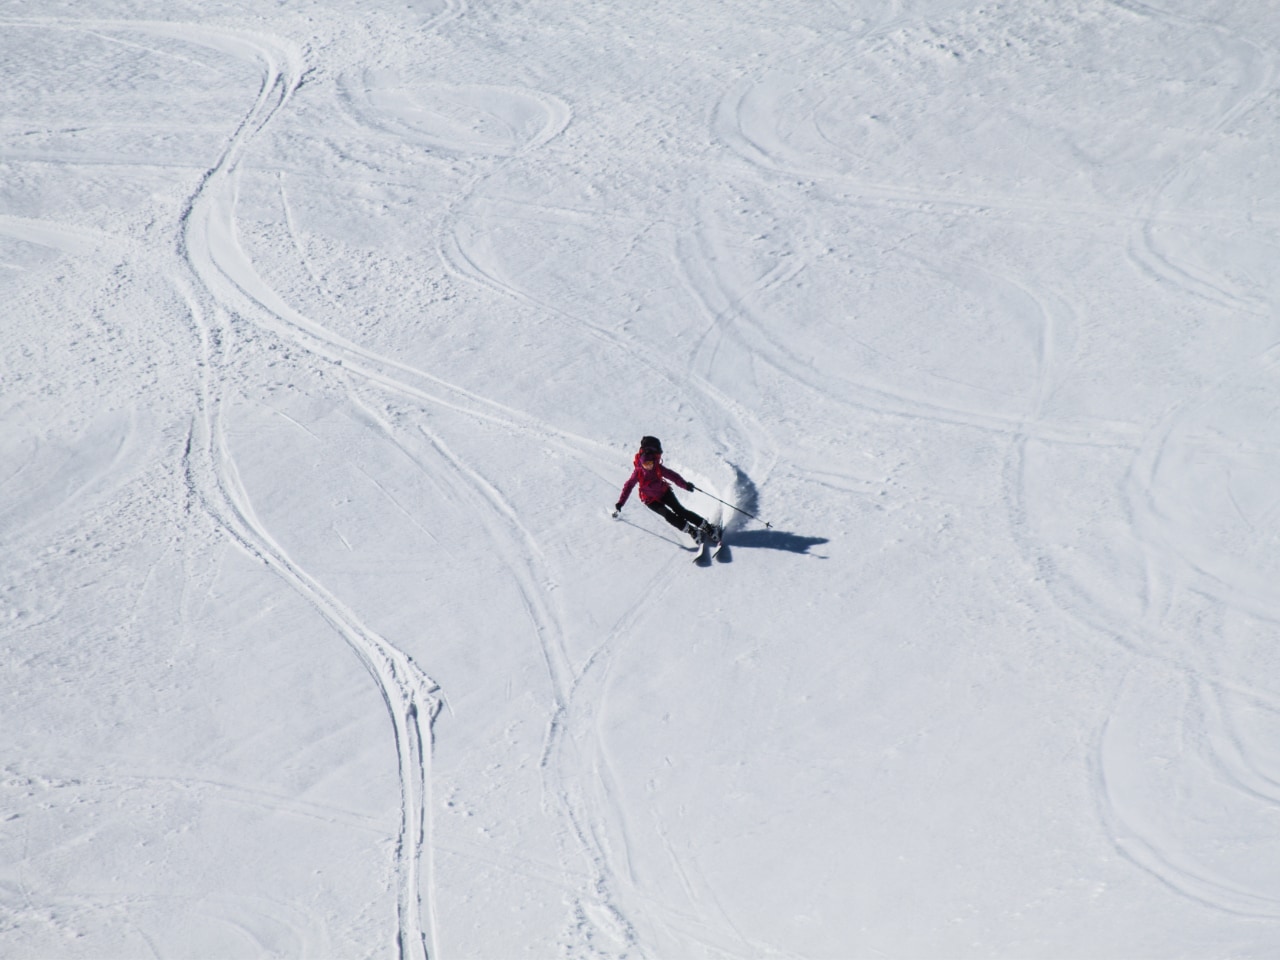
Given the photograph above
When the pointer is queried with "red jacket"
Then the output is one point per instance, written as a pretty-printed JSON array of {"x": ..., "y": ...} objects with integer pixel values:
[{"x": 653, "y": 483}]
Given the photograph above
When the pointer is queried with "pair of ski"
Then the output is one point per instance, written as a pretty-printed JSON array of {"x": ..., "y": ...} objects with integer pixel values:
[{"x": 709, "y": 546}]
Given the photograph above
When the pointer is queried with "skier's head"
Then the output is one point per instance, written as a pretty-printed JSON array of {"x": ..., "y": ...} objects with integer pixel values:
[{"x": 650, "y": 454}]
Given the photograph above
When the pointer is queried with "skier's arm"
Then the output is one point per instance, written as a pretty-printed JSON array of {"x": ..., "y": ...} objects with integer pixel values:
[
  {"x": 678, "y": 480},
  {"x": 626, "y": 490}
]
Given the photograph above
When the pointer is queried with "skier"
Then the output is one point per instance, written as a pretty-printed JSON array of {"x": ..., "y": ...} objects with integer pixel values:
[{"x": 656, "y": 492}]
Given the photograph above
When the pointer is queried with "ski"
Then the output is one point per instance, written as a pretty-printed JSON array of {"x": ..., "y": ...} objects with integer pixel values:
[{"x": 710, "y": 542}]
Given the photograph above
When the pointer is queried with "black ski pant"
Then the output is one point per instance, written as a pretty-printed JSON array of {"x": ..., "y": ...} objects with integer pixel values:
[{"x": 674, "y": 512}]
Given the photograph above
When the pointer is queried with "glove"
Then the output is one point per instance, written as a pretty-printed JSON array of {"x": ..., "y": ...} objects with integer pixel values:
[{"x": 692, "y": 488}]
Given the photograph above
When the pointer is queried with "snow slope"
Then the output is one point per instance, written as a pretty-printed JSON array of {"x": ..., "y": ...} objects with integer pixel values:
[{"x": 331, "y": 327}]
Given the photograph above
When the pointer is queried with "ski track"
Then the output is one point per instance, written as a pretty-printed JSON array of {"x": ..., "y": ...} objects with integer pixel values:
[
  {"x": 1260, "y": 70},
  {"x": 521, "y": 556},
  {"x": 714, "y": 405},
  {"x": 574, "y": 750},
  {"x": 410, "y": 695},
  {"x": 97, "y": 468},
  {"x": 215, "y": 487},
  {"x": 237, "y": 295},
  {"x": 1159, "y": 638},
  {"x": 703, "y": 920},
  {"x": 514, "y": 543},
  {"x": 1194, "y": 651},
  {"x": 269, "y": 926},
  {"x": 227, "y": 297},
  {"x": 1156, "y": 839},
  {"x": 1168, "y": 539},
  {"x": 732, "y": 314},
  {"x": 57, "y": 236}
]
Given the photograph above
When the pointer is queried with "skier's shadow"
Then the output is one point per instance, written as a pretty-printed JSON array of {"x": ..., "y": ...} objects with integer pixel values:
[
  {"x": 774, "y": 540},
  {"x": 747, "y": 498}
]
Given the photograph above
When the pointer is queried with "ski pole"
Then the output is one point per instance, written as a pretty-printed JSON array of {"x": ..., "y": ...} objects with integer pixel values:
[{"x": 732, "y": 507}]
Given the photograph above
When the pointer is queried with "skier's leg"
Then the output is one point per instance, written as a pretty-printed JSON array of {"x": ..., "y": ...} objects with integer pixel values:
[
  {"x": 662, "y": 509},
  {"x": 681, "y": 510},
  {"x": 705, "y": 530},
  {"x": 676, "y": 514}
]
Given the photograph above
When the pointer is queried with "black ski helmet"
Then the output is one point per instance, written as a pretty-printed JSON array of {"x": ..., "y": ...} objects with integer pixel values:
[{"x": 651, "y": 443}]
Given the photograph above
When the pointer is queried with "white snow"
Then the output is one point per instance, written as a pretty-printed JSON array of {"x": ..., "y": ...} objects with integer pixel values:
[{"x": 329, "y": 331}]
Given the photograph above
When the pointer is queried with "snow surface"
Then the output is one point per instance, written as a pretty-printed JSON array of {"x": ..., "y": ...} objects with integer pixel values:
[{"x": 330, "y": 328}]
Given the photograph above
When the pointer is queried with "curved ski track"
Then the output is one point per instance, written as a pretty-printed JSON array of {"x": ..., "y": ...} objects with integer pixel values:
[
  {"x": 227, "y": 296},
  {"x": 1217, "y": 691},
  {"x": 1172, "y": 636},
  {"x": 574, "y": 763},
  {"x": 226, "y": 293},
  {"x": 409, "y": 694}
]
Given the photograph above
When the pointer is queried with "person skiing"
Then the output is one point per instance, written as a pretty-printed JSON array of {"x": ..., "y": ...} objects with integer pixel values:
[{"x": 655, "y": 491}]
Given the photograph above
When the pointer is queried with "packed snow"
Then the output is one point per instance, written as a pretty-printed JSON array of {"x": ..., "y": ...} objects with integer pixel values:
[{"x": 330, "y": 331}]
